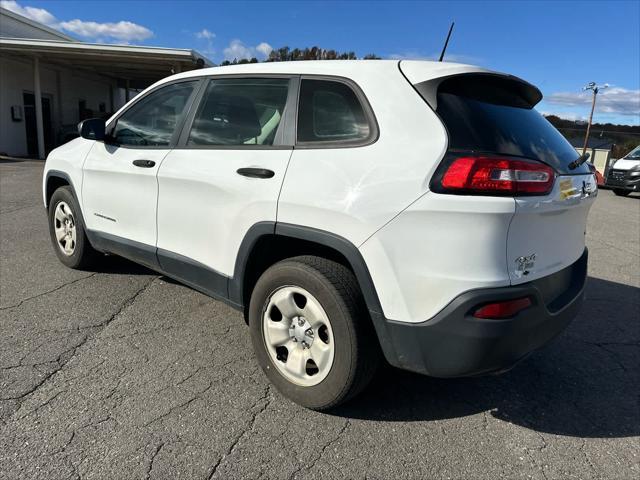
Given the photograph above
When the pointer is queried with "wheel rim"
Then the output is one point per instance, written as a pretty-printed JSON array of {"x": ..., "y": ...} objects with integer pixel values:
[
  {"x": 64, "y": 226},
  {"x": 298, "y": 336}
]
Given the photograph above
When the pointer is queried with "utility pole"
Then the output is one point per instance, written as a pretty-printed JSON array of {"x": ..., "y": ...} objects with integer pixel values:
[{"x": 595, "y": 89}]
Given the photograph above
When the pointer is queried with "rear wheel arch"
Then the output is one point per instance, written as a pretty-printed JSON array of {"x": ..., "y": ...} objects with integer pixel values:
[{"x": 268, "y": 242}]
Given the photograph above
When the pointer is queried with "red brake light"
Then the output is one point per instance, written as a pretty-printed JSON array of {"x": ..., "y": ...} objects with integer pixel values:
[
  {"x": 492, "y": 175},
  {"x": 499, "y": 310}
]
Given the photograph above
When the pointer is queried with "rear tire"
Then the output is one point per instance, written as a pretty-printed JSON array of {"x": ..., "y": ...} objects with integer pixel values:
[
  {"x": 67, "y": 232},
  {"x": 312, "y": 292},
  {"x": 620, "y": 192}
]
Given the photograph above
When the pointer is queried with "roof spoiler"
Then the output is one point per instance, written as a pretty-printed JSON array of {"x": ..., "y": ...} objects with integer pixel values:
[{"x": 496, "y": 88}]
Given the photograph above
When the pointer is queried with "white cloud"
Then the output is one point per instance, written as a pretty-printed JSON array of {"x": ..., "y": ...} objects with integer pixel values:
[
  {"x": 206, "y": 34},
  {"x": 237, "y": 50},
  {"x": 264, "y": 49},
  {"x": 38, "y": 14},
  {"x": 616, "y": 100},
  {"x": 121, "y": 32},
  {"x": 207, "y": 37}
]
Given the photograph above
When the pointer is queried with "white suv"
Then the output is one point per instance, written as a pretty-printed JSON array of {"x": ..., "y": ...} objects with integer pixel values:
[{"x": 353, "y": 210}]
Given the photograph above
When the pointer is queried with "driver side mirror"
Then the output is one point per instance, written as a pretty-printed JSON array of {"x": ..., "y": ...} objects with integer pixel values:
[{"x": 92, "y": 129}]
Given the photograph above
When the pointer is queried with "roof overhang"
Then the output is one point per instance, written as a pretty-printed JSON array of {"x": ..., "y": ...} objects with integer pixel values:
[
  {"x": 141, "y": 66},
  {"x": 37, "y": 25}
]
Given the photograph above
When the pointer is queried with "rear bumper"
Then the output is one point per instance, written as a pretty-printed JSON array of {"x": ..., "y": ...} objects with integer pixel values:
[{"x": 454, "y": 343}]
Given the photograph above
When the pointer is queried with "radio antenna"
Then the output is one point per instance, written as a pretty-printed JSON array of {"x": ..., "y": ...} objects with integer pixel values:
[{"x": 446, "y": 42}]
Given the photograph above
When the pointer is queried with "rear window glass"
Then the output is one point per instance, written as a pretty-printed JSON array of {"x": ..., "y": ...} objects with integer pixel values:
[{"x": 495, "y": 120}]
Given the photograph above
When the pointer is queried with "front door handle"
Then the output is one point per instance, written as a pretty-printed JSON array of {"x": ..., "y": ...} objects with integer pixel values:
[
  {"x": 144, "y": 163},
  {"x": 255, "y": 172}
]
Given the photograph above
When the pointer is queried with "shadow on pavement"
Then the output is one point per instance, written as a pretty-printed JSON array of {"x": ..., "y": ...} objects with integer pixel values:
[
  {"x": 584, "y": 384},
  {"x": 120, "y": 265}
]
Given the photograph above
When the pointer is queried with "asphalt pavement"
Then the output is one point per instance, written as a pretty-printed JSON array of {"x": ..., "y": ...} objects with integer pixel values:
[{"x": 122, "y": 373}]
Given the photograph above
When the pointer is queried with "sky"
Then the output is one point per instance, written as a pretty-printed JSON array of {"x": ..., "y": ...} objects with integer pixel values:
[{"x": 559, "y": 46}]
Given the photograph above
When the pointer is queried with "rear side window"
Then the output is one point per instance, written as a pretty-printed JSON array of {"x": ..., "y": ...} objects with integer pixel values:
[
  {"x": 239, "y": 111},
  {"x": 496, "y": 115},
  {"x": 330, "y": 111},
  {"x": 152, "y": 121}
]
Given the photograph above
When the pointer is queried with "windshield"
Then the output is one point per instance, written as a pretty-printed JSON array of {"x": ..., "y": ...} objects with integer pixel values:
[{"x": 633, "y": 154}]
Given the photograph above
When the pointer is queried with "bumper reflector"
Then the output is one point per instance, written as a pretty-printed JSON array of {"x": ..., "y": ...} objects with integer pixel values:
[{"x": 505, "y": 309}]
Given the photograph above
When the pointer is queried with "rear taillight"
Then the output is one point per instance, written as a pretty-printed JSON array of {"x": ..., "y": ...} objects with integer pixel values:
[
  {"x": 476, "y": 175},
  {"x": 505, "y": 309}
]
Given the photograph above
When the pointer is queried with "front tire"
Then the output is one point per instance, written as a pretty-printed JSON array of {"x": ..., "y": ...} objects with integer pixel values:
[
  {"x": 620, "y": 192},
  {"x": 311, "y": 332},
  {"x": 67, "y": 232}
]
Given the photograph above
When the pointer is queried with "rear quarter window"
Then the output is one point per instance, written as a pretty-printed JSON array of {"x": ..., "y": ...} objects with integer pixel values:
[{"x": 331, "y": 112}]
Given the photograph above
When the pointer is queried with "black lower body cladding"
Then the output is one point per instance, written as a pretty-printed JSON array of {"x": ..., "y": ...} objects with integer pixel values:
[{"x": 456, "y": 344}]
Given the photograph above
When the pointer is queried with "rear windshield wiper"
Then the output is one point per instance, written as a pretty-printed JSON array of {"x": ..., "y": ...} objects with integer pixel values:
[{"x": 579, "y": 161}]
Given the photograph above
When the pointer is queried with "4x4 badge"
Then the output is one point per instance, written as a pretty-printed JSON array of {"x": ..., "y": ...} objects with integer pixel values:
[
  {"x": 524, "y": 264},
  {"x": 588, "y": 189}
]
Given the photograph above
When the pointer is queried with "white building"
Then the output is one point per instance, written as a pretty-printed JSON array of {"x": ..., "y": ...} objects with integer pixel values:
[{"x": 73, "y": 80}]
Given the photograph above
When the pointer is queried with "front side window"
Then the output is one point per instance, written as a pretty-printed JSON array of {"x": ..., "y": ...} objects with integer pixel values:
[
  {"x": 240, "y": 111},
  {"x": 152, "y": 121},
  {"x": 330, "y": 111}
]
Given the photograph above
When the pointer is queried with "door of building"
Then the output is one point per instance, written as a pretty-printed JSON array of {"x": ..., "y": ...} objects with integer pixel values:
[{"x": 30, "y": 123}]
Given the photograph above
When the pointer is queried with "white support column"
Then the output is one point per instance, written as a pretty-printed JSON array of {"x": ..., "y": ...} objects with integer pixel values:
[{"x": 37, "y": 93}]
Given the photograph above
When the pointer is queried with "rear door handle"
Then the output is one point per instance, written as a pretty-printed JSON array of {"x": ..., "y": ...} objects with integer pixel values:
[
  {"x": 255, "y": 172},
  {"x": 144, "y": 163}
]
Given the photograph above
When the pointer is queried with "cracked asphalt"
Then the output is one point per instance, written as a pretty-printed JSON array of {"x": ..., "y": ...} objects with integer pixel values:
[{"x": 122, "y": 373}]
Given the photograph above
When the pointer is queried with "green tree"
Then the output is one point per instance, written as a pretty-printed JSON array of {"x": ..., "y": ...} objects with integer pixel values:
[{"x": 284, "y": 54}]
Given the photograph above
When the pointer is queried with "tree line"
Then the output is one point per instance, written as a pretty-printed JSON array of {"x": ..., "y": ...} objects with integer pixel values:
[
  {"x": 286, "y": 54},
  {"x": 623, "y": 137}
]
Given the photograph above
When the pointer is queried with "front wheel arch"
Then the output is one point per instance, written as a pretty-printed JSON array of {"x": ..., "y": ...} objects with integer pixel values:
[{"x": 54, "y": 180}]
